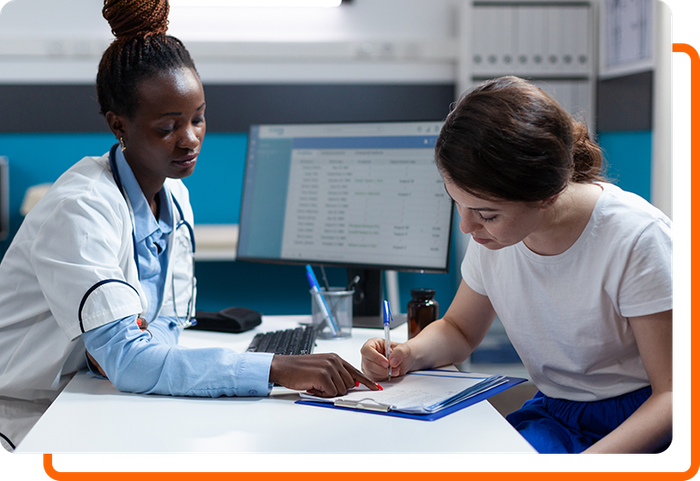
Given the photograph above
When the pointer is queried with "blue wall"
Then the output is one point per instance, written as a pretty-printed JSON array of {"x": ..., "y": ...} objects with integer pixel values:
[
  {"x": 215, "y": 191},
  {"x": 629, "y": 160},
  {"x": 216, "y": 184},
  {"x": 39, "y": 158}
]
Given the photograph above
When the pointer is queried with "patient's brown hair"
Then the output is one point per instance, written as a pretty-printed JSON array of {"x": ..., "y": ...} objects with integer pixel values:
[{"x": 507, "y": 139}]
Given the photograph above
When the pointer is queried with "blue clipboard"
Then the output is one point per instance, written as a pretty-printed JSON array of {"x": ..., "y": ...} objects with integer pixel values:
[{"x": 510, "y": 382}]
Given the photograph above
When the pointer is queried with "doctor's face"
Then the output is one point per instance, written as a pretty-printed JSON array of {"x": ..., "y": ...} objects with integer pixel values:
[{"x": 165, "y": 134}]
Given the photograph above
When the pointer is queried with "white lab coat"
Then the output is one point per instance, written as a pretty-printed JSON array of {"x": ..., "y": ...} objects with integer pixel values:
[{"x": 70, "y": 269}]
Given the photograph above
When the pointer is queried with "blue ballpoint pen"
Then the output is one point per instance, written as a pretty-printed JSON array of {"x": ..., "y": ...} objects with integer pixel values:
[
  {"x": 387, "y": 339},
  {"x": 325, "y": 310}
]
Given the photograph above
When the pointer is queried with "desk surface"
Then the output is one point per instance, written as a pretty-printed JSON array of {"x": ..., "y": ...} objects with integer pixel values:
[{"x": 121, "y": 422}]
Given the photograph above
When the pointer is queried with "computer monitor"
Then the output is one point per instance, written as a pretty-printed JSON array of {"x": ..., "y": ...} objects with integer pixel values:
[
  {"x": 365, "y": 196},
  {"x": 4, "y": 199}
]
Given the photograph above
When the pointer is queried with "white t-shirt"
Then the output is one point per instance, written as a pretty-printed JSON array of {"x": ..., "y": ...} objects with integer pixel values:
[{"x": 566, "y": 315}]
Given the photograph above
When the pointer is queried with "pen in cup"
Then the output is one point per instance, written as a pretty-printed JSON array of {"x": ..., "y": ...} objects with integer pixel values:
[
  {"x": 323, "y": 306},
  {"x": 353, "y": 283},
  {"x": 387, "y": 338},
  {"x": 325, "y": 279}
]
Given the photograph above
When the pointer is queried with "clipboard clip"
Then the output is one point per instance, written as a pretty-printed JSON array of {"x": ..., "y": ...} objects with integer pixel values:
[{"x": 370, "y": 406}]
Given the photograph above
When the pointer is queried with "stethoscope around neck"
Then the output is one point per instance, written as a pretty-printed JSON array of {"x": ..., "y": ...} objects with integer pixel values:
[{"x": 188, "y": 318}]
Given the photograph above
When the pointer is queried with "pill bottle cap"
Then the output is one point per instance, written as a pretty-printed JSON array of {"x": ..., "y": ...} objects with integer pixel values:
[{"x": 422, "y": 293}]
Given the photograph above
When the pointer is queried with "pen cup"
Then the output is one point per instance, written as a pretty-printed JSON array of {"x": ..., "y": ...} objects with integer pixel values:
[{"x": 339, "y": 302}]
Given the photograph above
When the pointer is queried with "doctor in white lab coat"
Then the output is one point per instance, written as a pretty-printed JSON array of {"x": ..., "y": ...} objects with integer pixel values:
[
  {"x": 71, "y": 268},
  {"x": 100, "y": 274}
]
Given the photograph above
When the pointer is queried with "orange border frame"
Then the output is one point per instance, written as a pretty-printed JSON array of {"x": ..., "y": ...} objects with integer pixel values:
[{"x": 691, "y": 471}]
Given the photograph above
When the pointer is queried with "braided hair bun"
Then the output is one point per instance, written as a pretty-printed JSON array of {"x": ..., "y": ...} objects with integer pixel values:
[
  {"x": 141, "y": 50},
  {"x": 132, "y": 18}
]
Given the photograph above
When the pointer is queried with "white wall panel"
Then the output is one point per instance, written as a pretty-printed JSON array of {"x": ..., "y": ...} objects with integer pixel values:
[{"x": 394, "y": 41}]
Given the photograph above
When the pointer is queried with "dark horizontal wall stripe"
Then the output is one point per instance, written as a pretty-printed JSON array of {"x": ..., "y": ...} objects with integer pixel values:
[
  {"x": 232, "y": 108},
  {"x": 624, "y": 103},
  {"x": 235, "y": 108},
  {"x": 50, "y": 108}
]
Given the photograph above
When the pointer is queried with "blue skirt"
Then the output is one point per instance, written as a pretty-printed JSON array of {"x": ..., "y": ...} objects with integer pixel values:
[{"x": 560, "y": 426}]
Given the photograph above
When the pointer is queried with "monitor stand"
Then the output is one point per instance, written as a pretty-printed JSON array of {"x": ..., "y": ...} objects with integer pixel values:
[{"x": 367, "y": 301}]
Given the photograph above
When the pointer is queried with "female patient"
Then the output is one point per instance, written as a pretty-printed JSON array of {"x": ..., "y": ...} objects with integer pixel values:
[
  {"x": 101, "y": 269},
  {"x": 578, "y": 271}
]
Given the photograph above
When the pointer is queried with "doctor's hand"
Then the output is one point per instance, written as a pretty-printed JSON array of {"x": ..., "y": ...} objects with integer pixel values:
[
  {"x": 375, "y": 363},
  {"x": 325, "y": 375}
]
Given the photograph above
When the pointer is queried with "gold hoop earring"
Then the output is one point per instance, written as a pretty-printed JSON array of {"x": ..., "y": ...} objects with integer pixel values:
[{"x": 122, "y": 143}]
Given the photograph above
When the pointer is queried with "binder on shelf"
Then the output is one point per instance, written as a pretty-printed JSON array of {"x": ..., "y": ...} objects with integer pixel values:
[
  {"x": 423, "y": 395},
  {"x": 581, "y": 51},
  {"x": 533, "y": 31}
]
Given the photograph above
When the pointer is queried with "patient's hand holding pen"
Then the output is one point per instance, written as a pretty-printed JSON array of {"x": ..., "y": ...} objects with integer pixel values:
[{"x": 387, "y": 338}]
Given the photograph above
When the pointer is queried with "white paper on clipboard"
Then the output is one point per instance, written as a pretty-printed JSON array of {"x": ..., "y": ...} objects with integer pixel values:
[{"x": 418, "y": 392}]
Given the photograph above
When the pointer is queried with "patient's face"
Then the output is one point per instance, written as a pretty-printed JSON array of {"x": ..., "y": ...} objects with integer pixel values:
[{"x": 492, "y": 223}]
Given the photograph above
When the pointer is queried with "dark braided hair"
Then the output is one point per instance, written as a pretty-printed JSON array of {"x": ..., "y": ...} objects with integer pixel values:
[
  {"x": 141, "y": 50},
  {"x": 507, "y": 139}
]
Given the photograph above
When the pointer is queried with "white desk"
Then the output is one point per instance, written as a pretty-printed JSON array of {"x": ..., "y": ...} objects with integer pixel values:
[{"x": 122, "y": 422}]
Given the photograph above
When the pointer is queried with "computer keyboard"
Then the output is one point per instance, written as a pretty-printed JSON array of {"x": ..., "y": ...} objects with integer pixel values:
[{"x": 293, "y": 341}]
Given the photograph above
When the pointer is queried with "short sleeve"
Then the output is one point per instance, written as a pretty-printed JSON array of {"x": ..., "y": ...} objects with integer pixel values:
[
  {"x": 76, "y": 255},
  {"x": 647, "y": 282},
  {"x": 471, "y": 269}
]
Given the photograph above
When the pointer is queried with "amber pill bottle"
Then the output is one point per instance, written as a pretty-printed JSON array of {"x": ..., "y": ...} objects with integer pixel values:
[{"x": 422, "y": 310}]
